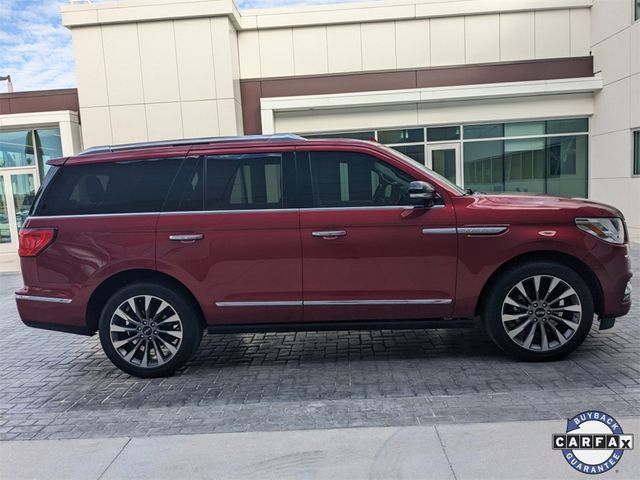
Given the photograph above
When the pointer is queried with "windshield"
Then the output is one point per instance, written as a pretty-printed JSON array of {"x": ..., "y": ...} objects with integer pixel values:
[{"x": 425, "y": 169}]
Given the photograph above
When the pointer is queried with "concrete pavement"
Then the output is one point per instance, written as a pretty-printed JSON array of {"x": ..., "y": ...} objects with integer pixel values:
[
  {"x": 508, "y": 450},
  {"x": 9, "y": 262}
]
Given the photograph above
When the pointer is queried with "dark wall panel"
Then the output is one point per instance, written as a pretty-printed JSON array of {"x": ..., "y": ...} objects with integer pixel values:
[{"x": 252, "y": 90}]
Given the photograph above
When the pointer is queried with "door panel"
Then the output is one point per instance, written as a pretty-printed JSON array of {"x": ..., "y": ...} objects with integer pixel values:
[
  {"x": 383, "y": 266},
  {"x": 242, "y": 258}
]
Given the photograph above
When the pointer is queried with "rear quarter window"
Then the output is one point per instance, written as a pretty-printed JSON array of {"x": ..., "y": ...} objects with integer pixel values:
[{"x": 104, "y": 188}]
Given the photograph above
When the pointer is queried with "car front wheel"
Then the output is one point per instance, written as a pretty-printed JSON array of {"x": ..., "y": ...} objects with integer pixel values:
[
  {"x": 149, "y": 330},
  {"x": 539, "y": 311}
]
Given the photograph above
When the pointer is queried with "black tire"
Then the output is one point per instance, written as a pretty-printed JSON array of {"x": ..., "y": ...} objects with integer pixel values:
[
  {"x": 187, "y": 325},
  {"x": 506, "y": 284}
]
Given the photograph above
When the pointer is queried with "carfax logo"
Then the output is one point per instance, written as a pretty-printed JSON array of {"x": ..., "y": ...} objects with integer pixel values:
[{"x": 594, "y": 442}]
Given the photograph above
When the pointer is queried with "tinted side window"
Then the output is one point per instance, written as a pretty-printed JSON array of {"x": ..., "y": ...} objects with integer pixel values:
[
  {"x": 243, "y": 182},
  {"x": 102, "y": 188},
  {"x": 350, "y": 179},
  {"x": 187, "y": 192}
]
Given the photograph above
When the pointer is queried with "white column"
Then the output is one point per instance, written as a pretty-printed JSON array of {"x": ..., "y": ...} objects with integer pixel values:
[{"x": 268, "y": 122}]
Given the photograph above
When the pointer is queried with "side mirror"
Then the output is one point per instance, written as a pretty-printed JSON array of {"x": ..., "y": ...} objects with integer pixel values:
[{"x": 421, "y": 194}]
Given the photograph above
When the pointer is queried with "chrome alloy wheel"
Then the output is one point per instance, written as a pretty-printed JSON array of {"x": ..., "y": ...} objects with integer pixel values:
[
  {"x": 541, "y": 313},
  {"x": 146, "y": 331}
]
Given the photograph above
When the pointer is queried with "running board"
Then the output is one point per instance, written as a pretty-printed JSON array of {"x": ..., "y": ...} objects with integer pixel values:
[{"x": 350, "y": 325}]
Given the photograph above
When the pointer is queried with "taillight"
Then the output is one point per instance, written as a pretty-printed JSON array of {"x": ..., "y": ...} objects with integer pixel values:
[{"x": 35, "y": 240}]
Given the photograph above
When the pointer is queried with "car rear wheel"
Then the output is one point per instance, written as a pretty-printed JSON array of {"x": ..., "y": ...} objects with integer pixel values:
[
  {"x": 149, "y": 330},
  {"x": 539, "y": 311}
]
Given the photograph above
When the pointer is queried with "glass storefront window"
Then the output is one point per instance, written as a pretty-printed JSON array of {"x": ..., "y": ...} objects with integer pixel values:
[
  {"x": 554, "y": 165},
  {"x": 408, "y": 135},
  {"x": 24, "y": 192},
  {"x": 483, "y": 166},
  {"x": 439, "y": 134},
  {"x": 570, "y": 125},
  {"x": 16, "y": 149},
  {"x": 48, "y": 145},
  {"x": 522, "y": 129},
  {"x": 5, "y": 232},
  {"x": 524, "y": 165},
  {"x": 414, "y": 151},
  {"x": 365, "y": 135},
  {"x": 537, "y": 156},
  {"x": 567, "y": 165},
  {"x": 490, "y": 130},
  {"x": 444, "y": 162}
]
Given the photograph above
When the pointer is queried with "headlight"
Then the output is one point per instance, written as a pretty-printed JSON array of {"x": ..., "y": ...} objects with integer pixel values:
[{"x": 608, "y": 229}]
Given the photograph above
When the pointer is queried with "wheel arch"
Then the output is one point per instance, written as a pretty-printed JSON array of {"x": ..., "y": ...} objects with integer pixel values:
[
  {"x": 118, "y": 280},
  {"x": 547, "y": 255}
]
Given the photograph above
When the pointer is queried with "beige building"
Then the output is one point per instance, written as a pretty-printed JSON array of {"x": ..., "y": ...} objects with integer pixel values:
[{"x": 499, "y": 95}]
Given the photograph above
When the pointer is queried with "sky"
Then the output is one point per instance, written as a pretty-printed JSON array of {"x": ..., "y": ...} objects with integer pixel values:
[{"x": 35, "y": 49}]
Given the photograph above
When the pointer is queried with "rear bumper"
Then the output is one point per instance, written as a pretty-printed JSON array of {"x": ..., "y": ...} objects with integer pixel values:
[
  {"x": 42, "y": 309},
  {"x": 57, "y": 327}
]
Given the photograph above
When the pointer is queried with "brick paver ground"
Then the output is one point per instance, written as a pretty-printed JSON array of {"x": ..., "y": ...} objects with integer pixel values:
[{"x": 55, "y": 385}]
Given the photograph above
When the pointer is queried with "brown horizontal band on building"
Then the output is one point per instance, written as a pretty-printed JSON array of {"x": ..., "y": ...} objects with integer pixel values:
[
  {"x": 39, "y": 101},
  {"x": 252, "y": 90}
]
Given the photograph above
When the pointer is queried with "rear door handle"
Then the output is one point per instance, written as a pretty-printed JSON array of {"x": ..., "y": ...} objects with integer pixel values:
[
  {"x": 186, "y": 238},
  {"x": 328, "y": 234}
]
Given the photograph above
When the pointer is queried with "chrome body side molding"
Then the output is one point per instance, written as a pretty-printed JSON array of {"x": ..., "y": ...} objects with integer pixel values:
[
  {"x": 439, "y": 231},
  {"x": 313, "y": 303},
  {"x": 426, "y": 301},
  {"x": 465, "y": 230},
  {"x": 482, "y": 230},
  {"x": 293, "y": 303},
  {"x": 35, "y": 298}
]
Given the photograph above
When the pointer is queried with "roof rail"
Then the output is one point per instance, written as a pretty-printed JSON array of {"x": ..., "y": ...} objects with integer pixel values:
[{"x": 188, "y": 141}]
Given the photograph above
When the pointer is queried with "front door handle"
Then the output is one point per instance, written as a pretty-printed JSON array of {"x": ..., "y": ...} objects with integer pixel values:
[
  {"x": 329, "y": 234},
  {"x": 186, "y": 238}
]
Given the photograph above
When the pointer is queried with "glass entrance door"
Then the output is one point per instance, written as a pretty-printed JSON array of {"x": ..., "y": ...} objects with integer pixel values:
[
  {"x": 17, "y": 191},
  {"x": 444, "y": 158}
]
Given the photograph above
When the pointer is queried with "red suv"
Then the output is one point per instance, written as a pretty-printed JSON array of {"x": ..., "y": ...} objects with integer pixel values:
[{"x": 150, "y": 244}]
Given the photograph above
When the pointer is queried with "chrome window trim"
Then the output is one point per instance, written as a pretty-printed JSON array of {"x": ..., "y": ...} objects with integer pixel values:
[
  {"x": 310, "y": 303},
  {"x": 380, "y": 207},
  {"x": 93, "y": 215},
  {"x": 35, "y": 298},
  {"x": 224, "y": 212},
  {"x": 187, "y": 212}
]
